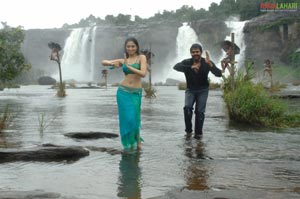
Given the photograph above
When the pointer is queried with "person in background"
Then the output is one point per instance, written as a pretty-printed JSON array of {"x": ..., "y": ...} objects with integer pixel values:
[
  {"x": 196, "y": 70},
  {"x": 129, "y": 93},
  {"x": 268, "y": 67}
]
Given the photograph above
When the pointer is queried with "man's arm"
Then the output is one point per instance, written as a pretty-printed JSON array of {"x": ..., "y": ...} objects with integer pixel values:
[
  {"x": 216, "y": 71},
  {"x": 183, "y": 66}
]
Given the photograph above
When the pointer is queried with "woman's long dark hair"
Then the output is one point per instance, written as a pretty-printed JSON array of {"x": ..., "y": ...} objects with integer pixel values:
[{"x": 134, "y": 40}]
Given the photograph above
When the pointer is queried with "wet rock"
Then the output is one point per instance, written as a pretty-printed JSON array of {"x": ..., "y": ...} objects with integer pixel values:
[
  {"x": 46, "y": 80},
  {"x": 43, "y": 154},
  {"x": 220, "y": 194},
  {"x": 91, "y": 135},
  {"x": 286, "y": 95},
  {"x": 108, "y": 150},
  {"x": 37, "y": 194},
  {"x": 289, "y": 96},
  {"x": 172, "y": 82}
]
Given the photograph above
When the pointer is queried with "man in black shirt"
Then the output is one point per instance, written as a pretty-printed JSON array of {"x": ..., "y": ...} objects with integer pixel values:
[{"x": 196, "y": 71}]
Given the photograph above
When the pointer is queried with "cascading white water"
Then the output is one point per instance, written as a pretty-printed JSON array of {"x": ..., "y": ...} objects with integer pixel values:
[
  {"x": 93, "y": 52},
  {"x": 185, "y": 38},
  {"x": 78, "y": 60}
]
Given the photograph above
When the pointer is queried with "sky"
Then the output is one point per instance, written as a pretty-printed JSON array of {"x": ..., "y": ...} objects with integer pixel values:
[{"x": 32, "y": 14}]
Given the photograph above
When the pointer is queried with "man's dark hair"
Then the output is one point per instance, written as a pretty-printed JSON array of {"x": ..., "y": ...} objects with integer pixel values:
[{"x": 196, "y": 46}]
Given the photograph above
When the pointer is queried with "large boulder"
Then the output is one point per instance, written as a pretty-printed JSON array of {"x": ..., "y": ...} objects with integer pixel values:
[
  {"x": 36, "y": 194},
  {"x": 44, "y": 154},
  {"x": 46, "y": 80},
  {"x": 172, "y": 82},
  {"x": 91, "y": 135}
]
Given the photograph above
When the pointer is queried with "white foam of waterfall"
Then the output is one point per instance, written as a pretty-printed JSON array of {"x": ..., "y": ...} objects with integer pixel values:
[
  {"x": 185, "y": 38},
  {"x": 79, "y": 55},
  {"x": 93, "y": 52}
]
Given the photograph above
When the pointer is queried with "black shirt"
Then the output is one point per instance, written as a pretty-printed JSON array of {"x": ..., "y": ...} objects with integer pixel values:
[{"x": 197, "y": 80}]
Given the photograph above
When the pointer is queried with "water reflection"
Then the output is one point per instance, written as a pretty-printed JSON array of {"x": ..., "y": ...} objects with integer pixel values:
[
  {"x": 7, "y": 140},
  {"x": 130, "y": 176},
  {"x": 3, "y": 143},
  {"x": 196, "y": 175}
]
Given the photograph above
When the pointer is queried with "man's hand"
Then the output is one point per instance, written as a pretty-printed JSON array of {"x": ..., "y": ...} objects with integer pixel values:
[
  {"x": 196, "y": 67},
  {"x": 207, "y": 59}
]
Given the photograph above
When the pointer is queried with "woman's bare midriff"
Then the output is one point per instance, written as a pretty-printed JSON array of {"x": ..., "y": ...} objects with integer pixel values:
[{"x": 132, "y": 81}]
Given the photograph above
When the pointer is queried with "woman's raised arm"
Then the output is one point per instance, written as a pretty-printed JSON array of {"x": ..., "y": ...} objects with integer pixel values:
[{"x": 115, "y": 62}]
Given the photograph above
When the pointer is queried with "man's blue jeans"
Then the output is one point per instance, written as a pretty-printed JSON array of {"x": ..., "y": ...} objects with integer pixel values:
[{"x": 198, "y": 97}]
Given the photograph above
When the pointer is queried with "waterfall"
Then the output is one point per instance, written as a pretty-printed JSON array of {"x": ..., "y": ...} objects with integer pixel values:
[
  {"x": 78, "y": 60},
  {"x": 185, "y": 38},
  {"x": 93, "y": 52}
]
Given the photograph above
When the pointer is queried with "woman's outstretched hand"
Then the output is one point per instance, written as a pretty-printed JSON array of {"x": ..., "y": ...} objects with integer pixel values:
[
  {"x": 112, "y": 63},
  {"x": 115, "y": 64}
]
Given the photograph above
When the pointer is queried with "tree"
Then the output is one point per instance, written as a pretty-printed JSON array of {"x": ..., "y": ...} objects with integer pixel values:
[
  {"x": 110, "y": 19},
  {"x": 12, "y": 61},
  {"x": 184, "y": 13},
  {"x": 228, "y": 7},
  {"x": 123, "y": 19},
  {"x": 199, "y": 14},
  {"x": 248, "y": 9},
  {"x": 54, "y": 56},
  {"x": 214, "y": 9},
  {"x": 137, "y": 19}
]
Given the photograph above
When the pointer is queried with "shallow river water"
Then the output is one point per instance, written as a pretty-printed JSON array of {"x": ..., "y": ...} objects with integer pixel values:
[{"x": 230, "y": 156}]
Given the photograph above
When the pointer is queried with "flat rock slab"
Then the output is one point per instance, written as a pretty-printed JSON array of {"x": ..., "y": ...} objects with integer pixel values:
[
  {"x": 38, "y": 194},
  {"x": 108, "y": 150},
  {"x": 288, "y": 96},
  {"x": 44, "y": 154},
  {"x": 225, "y": 194},
  {"x": 91, "y": 135}
]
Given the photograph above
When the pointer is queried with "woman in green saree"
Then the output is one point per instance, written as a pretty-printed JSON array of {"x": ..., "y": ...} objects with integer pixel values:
[{"x": 129, "y": 93}]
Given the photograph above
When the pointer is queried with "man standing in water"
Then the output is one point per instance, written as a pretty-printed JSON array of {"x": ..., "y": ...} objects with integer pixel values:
[{"x": 196, "y": 71}]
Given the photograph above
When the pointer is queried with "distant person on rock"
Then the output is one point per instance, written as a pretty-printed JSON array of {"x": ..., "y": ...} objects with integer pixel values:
[
  {"x": 268, "y": 68},
  {"x": 196, "y": 70},
  {"x": 129, "y": 94}
]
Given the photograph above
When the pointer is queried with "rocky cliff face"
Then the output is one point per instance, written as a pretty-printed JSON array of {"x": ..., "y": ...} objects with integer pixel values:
[
  {"x": 211, "y": 33},
  {"x": 272, "y": 36},
  {"x": 36, "y": 50}
]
